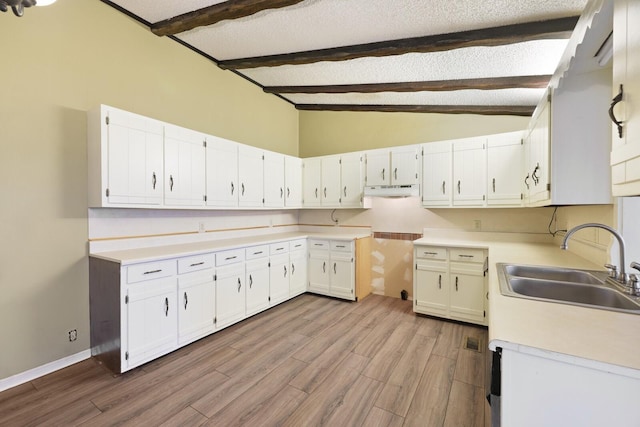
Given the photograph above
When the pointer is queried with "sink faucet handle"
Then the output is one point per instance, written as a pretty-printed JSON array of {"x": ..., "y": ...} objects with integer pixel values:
[
  {"x": 613, "y": 270},
  {"x": 635, "y": 265},
  {"x": 634, "y": 283}
]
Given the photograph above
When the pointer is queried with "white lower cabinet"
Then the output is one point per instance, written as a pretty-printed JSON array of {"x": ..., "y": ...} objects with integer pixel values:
[
  {"x": 332, "y": 268},
  {"x": 230, "y": 288},
  {"x": 142, "y": 311},
  {"x": 451, "y": 283}
]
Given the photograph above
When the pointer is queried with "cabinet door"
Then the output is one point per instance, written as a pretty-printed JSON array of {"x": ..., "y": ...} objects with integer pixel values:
[
  {"x": 293, "y": 181},
  {"x": 504, "y": 169},
  {"x": 436, "y": 174},
  {"x": 298, "y": 269},
  {"x": 405, "y": 165},
  {"x": 135, "y": 168},
  {"x": 467, "y": 297},
  {"x": 431, "y": 288},
  {"x": 319, "y": 272},
  {"x": 342, "y": 275},
  {"x": 197, "y": 303},
  {"x": 257, "y": 280},
  {"x": 311, "y": 181},
  {"x": 222, "y": 172},
  {"x": 230, "y": 295},
  {"x": 330, "y": 174},
  {"x": 184, "y": 167},
  {"x": 377, "y": 167},
  {"x": 274, "y": 192},
  {"x": 625, "y": 155},
  {"x": 539, "y": 141},
  {"x": 152, "y": 321},
  {"x": 351, "y": 180},
  {"x": 250, "y": 175},
  {"x": 469, "y": 178},
  {"x": 279, "y": 278}
]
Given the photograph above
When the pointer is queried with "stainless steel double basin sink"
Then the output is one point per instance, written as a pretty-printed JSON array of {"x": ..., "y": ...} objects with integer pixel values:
[{"x": 585, "y": 288}]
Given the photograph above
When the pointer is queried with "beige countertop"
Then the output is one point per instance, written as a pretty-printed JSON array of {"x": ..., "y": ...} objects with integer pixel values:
[
  {"x": 155, "y": 253},
  {"x": 589, "y": 333}
]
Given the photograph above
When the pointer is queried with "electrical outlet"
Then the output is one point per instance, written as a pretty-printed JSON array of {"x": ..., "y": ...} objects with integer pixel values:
[
  {"x": 73, "y": 335},
  {"x": 477, "y": 224},
  {"x": 201, "y": 227}
]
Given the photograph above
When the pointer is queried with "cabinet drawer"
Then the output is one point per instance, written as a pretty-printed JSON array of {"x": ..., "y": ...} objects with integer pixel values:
[
  {"x": 196, "y": 263},
  {"x": 257, "y": 251},
  {"x": 151, "y": 270},
  {"x": 318, "y": 244},
  {"x": 431, "y": 252},
  {"x": 229, "y": 257},
  {"x": 298, "y": 245},
  {"x": 342, "y": 246},
  {"x": 279, "y": 248},
  {"x": 466, "y": 255}
]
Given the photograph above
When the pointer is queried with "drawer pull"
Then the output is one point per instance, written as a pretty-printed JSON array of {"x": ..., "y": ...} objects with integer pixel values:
[
  {"x": 298, "y": 245},
  {"x": 430, "y": 253},
  {"x": 230, "y": 257},
  {"x": 279, "y": 249},
  {"x": 196, "y": 264},
  {"x": 340, "y": 246},
  {"x": 318, "y": 244},
  {"x": 466, "y": 256},
  {"x": 152, "y": 271},
  {"x": 257, "y": 253}
]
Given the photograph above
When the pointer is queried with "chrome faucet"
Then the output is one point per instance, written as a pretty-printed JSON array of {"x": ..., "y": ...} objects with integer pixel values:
[{"x": 620, "y": 277}]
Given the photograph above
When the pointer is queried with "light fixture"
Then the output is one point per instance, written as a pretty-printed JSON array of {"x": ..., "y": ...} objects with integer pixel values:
[{"x": 17, "y": 6}]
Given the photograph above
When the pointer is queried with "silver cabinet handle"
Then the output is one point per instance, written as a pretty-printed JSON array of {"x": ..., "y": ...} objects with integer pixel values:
[
  {"x": 534, "y": 174},
  {"x": 316, "y": 192},
  {"x": 334, "y": 268},
  {"x": 456, "y": 283},
  {"x": 170, "y": 182},
  {"x": 153, "y": 180},
  {"x": 232, "y": 188},
  {"x": 166, "y": 307},
  {"x": 285, "y": 271},
  {"x": 395, "y": 174},
  {"x": 239, "y": 285},
  {"x": 458, "y": 186},
  {"x": 383, "y": 174},
  {"x": 152, "y": 271},
  {"x": 293, "y": 269},
  {"x": 242, "y": 186},
  {"x": 281, "y": 193},
  {"x": 345, "y": 191},
  {"x": 325, "y": 192},
  {"x": 196, "y": 264},
  {"x": 324, "y": 267},
  {"x": 186, "y": 300},
  {"x": 430, "y": 253},
  {"x": 288, "y": 192},
  {"x": 230, "y": 257},
  {"x": 494, "y": 185},
  {"x": 439, "y": 281},
  {"x": 526, "y": 179},
  {"x": 612, "y": 116},
  {"x": 442, "y": 187},
  {"x": 250, "y": 281}
]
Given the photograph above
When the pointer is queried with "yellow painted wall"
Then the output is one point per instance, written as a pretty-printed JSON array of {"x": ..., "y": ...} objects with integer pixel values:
[
  {"x": 56, "y": 63},
  {"x": 328, "y": 132}
]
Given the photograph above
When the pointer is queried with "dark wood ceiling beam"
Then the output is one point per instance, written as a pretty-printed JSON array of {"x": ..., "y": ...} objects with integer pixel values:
[
  {"x": 495, "y": 36},
  {"x": 231, "y": 9},
  {"x": 491, "y": 110},
  {"x": 493, "y": 83}
]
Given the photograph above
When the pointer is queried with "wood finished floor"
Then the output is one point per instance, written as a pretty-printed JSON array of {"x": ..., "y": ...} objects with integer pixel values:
[{"x": 311, "y": 361}]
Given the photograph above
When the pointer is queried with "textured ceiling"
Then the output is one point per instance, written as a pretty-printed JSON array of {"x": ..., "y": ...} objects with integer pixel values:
[{"x": 320, "y": 24}]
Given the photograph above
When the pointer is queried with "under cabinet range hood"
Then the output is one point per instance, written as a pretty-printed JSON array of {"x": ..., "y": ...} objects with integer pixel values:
[{"x": 391, "y": 190}]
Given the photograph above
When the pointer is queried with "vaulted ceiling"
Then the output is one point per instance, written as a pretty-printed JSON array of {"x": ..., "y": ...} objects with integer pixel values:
[{"x": 449, "y": 56}]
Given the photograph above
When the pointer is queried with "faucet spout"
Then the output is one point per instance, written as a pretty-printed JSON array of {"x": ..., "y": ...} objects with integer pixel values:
[{"x": 622, "y": 276}]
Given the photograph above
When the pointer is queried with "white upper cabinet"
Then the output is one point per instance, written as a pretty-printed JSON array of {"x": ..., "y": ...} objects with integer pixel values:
[
  {"x": 504, "y": 169},
  {"x": 125, "y": 159},
  {"x": 184, "y": 167},
  {"x": 274, "y": 177},
  {"x": 250, "y": 176},
  {"x": 469, "y": 172},
  {"x": 312, "y": 181},
  {"x": 330, "y": 177},
  {"x": 405, "y": 165},
  {"x": 377, "y": 167},
  {"x": 351, "y": 180},
  {"x": 395, "y": 166},
  {"x": 436, "y": 174},
  {"x": 293, "y": 182},
  {"x": 222, "y": 172},
  {"x": 625, "y": 154},
  {"x": 536, "y": 166}
]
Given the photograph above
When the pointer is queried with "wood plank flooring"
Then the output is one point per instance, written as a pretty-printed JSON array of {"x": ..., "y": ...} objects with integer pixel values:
[{"x": 311, "y": 361}]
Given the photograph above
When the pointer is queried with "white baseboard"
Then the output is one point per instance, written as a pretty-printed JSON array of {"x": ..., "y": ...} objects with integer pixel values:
[{"x": 40, "y": 371}]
